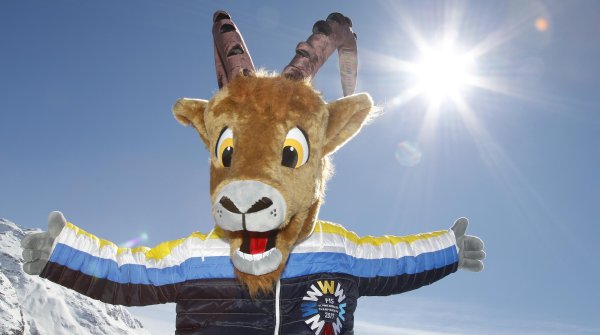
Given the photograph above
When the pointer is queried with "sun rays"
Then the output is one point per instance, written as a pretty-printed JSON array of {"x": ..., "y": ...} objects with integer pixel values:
[
  {"x": 452, "y": 54},
  {"x": 448, "y": 70},
  {"x": 450, "y": 66}
]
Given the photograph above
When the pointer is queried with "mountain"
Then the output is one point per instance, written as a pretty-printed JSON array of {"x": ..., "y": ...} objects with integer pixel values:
[{"x": 32, "y": 305}]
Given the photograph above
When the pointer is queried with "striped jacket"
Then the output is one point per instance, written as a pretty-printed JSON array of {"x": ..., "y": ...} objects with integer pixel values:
[{"x": 317, "y": 293}]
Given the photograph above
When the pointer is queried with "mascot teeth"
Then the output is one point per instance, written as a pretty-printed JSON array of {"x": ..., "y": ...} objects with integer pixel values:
[
  {"x": 254, "y": 257},
  {"x": 257, "y": 264}
]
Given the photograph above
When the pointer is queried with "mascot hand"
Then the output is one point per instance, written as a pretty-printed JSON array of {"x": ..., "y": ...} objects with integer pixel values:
[
  {"x": 37, "y": 246},
  {"x": 470, "y": 248}
]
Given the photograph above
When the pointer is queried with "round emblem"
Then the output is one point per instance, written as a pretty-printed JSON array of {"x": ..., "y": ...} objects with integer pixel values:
[{"x": 323, "y": 307}]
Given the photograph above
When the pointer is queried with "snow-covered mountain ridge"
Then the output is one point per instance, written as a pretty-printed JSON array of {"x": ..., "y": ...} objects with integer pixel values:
[{"x": 32, "y": 305}]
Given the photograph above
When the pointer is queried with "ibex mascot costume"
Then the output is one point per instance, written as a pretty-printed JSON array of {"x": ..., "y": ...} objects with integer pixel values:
[{"x": 269, "y": 266}]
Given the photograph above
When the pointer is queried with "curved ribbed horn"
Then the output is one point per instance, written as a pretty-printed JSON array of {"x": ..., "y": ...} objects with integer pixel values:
[
  {"x": 231, "y": 54},
  {"x": 334, "y": 33}
]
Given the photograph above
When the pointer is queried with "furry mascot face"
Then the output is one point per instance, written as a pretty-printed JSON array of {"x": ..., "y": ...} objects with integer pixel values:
[{"x": 269, "y": 137}]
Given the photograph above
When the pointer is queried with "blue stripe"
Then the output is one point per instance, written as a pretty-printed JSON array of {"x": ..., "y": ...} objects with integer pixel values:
[
  {"x": 192, "y": 268},
  {"x": 323, "y": 262},
  {"x": 220, "y": 266}
]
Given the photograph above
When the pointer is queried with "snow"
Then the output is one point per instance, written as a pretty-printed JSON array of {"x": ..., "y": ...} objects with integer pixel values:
[
  {"x": 32, "y": 305},
  {"x": 11, "y": 317}
]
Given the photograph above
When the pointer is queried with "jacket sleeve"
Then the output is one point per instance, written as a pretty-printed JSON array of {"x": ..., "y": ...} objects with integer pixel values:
[
  {"x": 396, "y": 264},
  {"x": 137, "y": 276},
  {"x": 388, "y": 264}
]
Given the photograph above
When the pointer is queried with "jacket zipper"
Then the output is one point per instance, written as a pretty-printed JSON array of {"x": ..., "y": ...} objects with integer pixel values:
[{"x": 277, "y": 312}]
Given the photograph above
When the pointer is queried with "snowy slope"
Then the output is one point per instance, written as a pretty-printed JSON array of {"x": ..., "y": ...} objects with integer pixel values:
[
  {"x": 11, "y": 317},
  {"x": 31, "y": 305}
]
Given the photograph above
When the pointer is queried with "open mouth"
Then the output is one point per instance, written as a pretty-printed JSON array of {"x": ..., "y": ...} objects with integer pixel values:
[
  {"x": 255, "y": 243},
  {"x": 257, "y": 255}
]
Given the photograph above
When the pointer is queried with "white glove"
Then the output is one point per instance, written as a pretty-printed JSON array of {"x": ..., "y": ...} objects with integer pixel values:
[
  {"x": 470, "y": 248},
  {"x": 37, "y": 246}
]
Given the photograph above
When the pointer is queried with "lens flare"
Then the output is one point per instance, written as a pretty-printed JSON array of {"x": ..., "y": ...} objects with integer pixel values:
[
  {"x": 408, "y": 154},
  {"x": 541, "y": 24},
  {"x": 134, "y": 241}
]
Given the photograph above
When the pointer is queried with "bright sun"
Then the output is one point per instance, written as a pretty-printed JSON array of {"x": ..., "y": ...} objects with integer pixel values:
[
  {"x": 442, "y": 73},
  {"x": 448, "y": 74}
]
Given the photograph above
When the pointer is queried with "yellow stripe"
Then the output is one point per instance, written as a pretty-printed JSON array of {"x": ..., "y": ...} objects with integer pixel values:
[
  {"x": 332, "y": 228},
  {"x": 133, "y": 250},
  {"x": 79, "y": 231},
  {"x": 159, "y": 252},
  {"x": 164, "y": 249}
]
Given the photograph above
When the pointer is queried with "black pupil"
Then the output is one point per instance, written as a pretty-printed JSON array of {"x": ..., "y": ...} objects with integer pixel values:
[
  {"x": 226, "y": 156},
  {"x": 289, "y": 157}
]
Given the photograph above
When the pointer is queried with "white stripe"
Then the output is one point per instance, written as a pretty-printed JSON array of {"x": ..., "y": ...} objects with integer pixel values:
[
  {"x": 191, "y": 247},
  {"x": 327, "y": 242},
  {"x": 196, "y": 247}
]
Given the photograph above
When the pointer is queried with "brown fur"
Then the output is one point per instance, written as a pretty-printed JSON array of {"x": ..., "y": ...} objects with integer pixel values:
[{"x": 260, "y": 111}]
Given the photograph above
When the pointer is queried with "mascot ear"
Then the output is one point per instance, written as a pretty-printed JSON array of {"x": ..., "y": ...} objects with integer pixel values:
[
  {"x": 346, "y": 117},
  {"x": 191, "y": 111}
]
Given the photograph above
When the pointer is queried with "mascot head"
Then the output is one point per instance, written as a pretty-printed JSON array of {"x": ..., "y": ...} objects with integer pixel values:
[{"x": 269, "y": 138}]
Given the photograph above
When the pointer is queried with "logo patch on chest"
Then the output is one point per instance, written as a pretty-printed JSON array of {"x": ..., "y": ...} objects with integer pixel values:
[{"x": 323, "y": 307}]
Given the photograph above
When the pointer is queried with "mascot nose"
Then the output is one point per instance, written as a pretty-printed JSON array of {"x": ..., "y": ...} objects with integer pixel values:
[
  {"x": 259, "y": 205},
  {"x": 249, "y": 205}
]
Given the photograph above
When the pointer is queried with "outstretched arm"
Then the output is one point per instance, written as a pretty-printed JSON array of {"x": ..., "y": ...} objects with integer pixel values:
[
  {"x": 409, "y": 262},
  {"x": 76, "y": 259}
]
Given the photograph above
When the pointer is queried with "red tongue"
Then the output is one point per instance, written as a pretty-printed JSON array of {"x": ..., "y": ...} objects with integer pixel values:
[{"x": 258, "y": 242}]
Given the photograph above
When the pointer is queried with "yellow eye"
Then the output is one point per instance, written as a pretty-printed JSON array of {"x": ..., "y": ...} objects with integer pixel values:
[
  {"x": 224, "y": 148},
  {"x": 295, "y": 149}
]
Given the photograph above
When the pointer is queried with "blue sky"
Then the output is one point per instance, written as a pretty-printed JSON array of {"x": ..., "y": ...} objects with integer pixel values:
[{"x": 86, "y": 90}]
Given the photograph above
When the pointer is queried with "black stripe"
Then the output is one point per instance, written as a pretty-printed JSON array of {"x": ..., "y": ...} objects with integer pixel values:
[
  {"x": 223, "y": 306},
  {"x": 403, "y": 283},
  {"x": 108, "y": 291}
]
